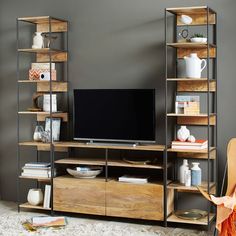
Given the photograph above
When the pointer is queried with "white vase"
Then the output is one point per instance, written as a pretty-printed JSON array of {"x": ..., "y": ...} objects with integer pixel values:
[
  {"x": 193, "y": 66},
  {"x": 38, "y": 40},
  {"x": 35, "y": 196},
  {"x": 182, "y": 169},
  {"x": 183, "y": 133},
  {"x": 196, "y": 174}
]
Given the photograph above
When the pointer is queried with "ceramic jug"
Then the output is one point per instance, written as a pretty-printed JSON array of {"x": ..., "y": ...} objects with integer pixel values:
[
  {"x": 38, "y": 40},
  {"x": 193, "y": 65}
]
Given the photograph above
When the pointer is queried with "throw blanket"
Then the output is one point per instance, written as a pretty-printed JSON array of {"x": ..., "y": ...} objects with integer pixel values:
[{"x": 226, "y": 214}]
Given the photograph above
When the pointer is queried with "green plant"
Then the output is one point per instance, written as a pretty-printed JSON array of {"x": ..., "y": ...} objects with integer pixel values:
[{"x": 196, "y": 35}]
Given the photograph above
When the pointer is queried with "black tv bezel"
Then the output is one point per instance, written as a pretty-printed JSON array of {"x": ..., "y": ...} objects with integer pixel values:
[{"x": 91, "y": 140}]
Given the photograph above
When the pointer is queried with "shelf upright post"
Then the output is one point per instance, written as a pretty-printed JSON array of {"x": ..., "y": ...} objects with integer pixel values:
[
  {"x": 51, "y": 137},
  {"x": 165, "y": 151},
  {"x": 208, "y": 120},
  {"x": 18, "y": 123}
]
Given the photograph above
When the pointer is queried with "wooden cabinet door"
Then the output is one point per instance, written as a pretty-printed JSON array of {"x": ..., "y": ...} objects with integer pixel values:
[
  {"x": 79, "y": 195},
  {"x": 143, "y": 201}
]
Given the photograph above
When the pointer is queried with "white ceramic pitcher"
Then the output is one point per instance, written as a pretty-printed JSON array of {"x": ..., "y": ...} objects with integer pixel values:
[
  {"x": 38, "y": 40},
  {"x": 193, "y": 65}
]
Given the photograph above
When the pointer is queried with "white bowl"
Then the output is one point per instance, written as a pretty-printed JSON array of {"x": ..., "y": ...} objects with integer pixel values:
[
  {"x": 88, "y": 174},
  {"x": 199, "y": 40},
  {"x": 187, "y": 20}
]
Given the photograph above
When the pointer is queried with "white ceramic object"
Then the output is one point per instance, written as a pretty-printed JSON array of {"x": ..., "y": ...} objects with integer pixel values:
[
  {"x": 196, "y": 174},
  {"x": 187, "y": 20},
  {"x": 193, "y": 65},
  {"x": 182, "y": 170},
  {"x": 198, "y": 40},
  {"x": 191, "y": 139},
  {"x": 84, "y": 174},
  {"x": 38, "y": 133},
  {"x": 183, "y": 133},
  {"x": 38, "y": 40},
  {"x": 46, "y": 102},
  {"x": 187, "y": 178},
  {"x": 35, "y": 196}
]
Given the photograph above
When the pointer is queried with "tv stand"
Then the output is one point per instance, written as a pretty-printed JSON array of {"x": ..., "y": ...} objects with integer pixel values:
[{"x": 113, "y": 144}]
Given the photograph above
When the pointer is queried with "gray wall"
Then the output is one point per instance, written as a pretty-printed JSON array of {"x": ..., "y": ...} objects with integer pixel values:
[{"x": 113, "y": 44}]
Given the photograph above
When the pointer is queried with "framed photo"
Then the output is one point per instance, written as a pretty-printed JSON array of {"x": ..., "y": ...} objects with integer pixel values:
[{"x": 56, "y": 126}]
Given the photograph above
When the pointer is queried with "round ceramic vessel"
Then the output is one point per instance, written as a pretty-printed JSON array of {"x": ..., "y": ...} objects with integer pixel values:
[
  {"x": 35, "y": 196},
  {"x": 84, "y": 174}
]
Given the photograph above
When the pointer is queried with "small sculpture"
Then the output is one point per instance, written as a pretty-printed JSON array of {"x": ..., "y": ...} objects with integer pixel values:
[
  {"x": 35, "y": 102},
  {"x": 183, "y": 133}
]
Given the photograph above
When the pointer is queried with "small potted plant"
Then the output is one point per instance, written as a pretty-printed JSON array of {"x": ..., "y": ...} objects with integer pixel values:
[{"x": 198, "y": 38}]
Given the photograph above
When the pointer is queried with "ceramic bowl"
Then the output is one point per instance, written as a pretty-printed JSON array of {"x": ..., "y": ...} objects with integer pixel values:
[
  {"x": 199, "y": 40},
  {"x": 88, "y": 174}
]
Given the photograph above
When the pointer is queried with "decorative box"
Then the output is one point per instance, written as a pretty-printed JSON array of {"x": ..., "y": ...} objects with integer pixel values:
[{"x": 34, "y": 74}]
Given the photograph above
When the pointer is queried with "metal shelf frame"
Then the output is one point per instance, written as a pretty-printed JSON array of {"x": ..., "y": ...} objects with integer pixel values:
[
  {"x": 210, "y": 105},
  {"x": 46, "y": 20}
]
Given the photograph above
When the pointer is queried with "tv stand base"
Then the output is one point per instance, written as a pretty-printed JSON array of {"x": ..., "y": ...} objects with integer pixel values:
[{"x": 112, "y": 144}]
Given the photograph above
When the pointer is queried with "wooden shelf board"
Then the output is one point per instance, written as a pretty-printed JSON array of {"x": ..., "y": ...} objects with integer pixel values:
[
  {"x": 41, "y": 115},
  {"x": 184, "y": 115},
  {"x": 100, "y": 162},
  {"x": 40, "y": 81},
  {"x": 187, "y": 79},
  {"x": 40, "y": 19},
  {"x": 190, "y": 151},
  {"x": 40, "y": 179},
  {"x": 203, "y": 221},
  {"x": 40, "y": 50},
  {"x": 118, "y": 147},
  {"x": 183, "y": 188},
  {"x": 188, "y": 10},
  {"x": 27, "y": 205},
  {"x": 42, "y": 146},
  {"x": 81, "y": 161},
  {"x": 190, "y": 45},
  {"x": 191, "y": 155}
]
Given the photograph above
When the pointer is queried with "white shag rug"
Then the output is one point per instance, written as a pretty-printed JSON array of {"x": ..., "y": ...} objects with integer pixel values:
[{"x": 11, "y": 225}]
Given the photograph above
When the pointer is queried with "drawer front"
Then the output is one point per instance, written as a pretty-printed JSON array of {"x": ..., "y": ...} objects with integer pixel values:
[
  {"x": 143, "y": 201},
  {"x": 79, "y": 195}
]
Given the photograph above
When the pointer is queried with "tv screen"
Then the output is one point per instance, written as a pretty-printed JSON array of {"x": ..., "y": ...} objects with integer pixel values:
[{"x": 123, "y": 115}]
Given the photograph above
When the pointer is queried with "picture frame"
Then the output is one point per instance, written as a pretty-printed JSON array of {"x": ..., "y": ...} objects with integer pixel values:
[{"x": 56, "y": 127}]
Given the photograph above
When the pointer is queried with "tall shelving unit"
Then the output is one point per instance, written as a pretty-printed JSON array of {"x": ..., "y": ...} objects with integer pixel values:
[
  {"x": 206, "y": 18},
  {"x": 49, "y": 25}
]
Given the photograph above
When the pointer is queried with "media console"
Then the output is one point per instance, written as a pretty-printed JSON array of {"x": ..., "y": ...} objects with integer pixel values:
[{"x": 106, "y": 195}]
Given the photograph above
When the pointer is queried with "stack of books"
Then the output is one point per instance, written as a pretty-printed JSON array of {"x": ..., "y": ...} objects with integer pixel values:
[
  {"x": 133, "y": 179},
  {"x": 188, "y": 105},
  {"x": 197, "y": 145},
  {"x": 37, "y": 169}
]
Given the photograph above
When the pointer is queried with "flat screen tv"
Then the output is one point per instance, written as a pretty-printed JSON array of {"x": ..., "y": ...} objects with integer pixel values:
[{"x": 115, "y": 115}]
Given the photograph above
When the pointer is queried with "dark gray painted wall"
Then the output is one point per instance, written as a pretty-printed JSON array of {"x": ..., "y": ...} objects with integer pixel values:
[{"x": 113, "y": 44}]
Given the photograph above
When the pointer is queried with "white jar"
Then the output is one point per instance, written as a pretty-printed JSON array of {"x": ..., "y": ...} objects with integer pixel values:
[
  {"x": 46, "y": 102},
  {"x": 35, "y": 196},
  {"x": 37, "y": 40},
  {"x": 196, "y": 174},
  {"x": 182, "y": 170},
  {"x": 183, "y": 133},
  {"x": 187, "y": 178}
]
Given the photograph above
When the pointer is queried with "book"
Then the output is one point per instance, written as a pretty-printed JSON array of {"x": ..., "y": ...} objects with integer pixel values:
[
  {"x": 47, "y": 196},
  {"x": 48, "y": 221},
  {"x": 35, "y": 171},
  {"x": 35, "y": 175},
  {"x": 43, "y": 66},
  {"x": 187, "y": 98},
  {"x": 133, "y": 179},
  {"x": 38, "y": 164},
  {"x": 189, "y": 147},
  {"x": 198, "y": 142}
]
